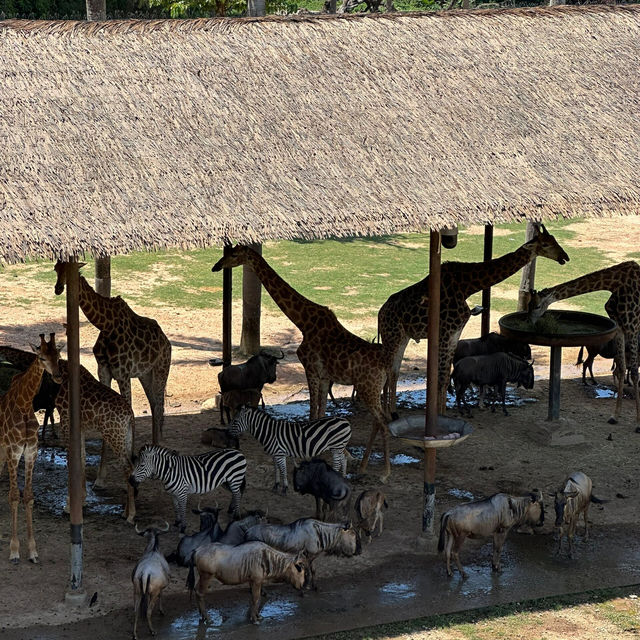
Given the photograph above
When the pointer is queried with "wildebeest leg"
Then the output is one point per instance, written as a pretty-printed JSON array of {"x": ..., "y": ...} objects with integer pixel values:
[
  {"x": 280, "y": 465},
  {"x": 498, "y": 540},
  {"x": 256, "y": 589},
  {"x": 201, "y": 589},
  {"x": 319, "y": 509},
  {"x": 160, "y": 607},
  {"x": 457, "y": 544},
  {"x": 503, "y": 393},
  {"x": 152, "y": 604},
  {"x": 312, "y": 576},
  {"x": 586, "y": 522},
  {"x": 136, "y": 607},
  {"x": 448, "y": 546},
  {"x": 460, "y": 399},
  {"x": 558, "y": 538}
]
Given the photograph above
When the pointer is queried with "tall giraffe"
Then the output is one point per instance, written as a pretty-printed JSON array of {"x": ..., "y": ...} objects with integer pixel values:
[
  {"x": 19, "y": 437},
  {"x": 328, "y": 352},
  {"x": 128, "y": 346},
  {"x": 623, "y": 306},
  {"x": 404, "y": 316}
]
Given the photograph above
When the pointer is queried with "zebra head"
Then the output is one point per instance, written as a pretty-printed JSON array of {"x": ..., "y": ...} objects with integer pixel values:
[
  {"x": 148, "y": 463},
  {"x": 242, "y": 421}
]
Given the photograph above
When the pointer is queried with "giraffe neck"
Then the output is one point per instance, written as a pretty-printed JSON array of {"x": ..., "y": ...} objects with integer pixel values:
[
  {"x": 300, "y": 310},
  {"x": 604, "y": 279},
  {"x": 481, "y": 275},
  {"x": 97, "y": 308},
  {"x": 25, "y": 385}
]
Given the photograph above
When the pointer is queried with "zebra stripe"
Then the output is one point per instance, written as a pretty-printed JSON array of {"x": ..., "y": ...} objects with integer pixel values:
[
  {"x": 183, "y": 475},
  {"x": 305, "y": 439}
]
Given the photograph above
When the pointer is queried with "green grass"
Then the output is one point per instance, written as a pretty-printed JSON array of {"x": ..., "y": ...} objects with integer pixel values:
[{"x": 354, "y": 276}]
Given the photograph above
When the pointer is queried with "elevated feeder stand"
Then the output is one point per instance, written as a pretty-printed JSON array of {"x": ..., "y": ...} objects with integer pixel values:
[{"x": 451, "y": 431}]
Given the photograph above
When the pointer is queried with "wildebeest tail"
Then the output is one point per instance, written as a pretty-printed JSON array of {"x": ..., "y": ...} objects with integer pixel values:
[
  {"x": 444, "y": 520},
  {"x": 597, "y": 500},
  {"x": 580, "y": 354},
  {"x": 172, "y": 557},
  {"x": 144, "y": 598}
]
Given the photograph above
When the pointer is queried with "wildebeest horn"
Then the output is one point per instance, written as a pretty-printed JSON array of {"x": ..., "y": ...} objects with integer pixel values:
[
  {"x": 138, "y": 530},
  {"x": 280, "y": 356},
  {"x": 165, "y": 528}
]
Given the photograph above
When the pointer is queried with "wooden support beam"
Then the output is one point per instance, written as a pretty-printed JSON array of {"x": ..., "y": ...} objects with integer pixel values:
[
  {"x": 486, "y": 293},
  {"x": 227, "y": 284}
]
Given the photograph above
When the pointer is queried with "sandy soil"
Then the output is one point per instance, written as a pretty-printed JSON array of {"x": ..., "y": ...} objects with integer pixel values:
[{"x": 501, "y": 455}]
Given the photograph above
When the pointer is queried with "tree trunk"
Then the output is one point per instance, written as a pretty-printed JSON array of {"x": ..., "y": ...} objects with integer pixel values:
[
  {"x": 103, "y": 276},
  {"x": 96, "y": 10},
  {"x": 251, "y": 297},
  {"x": 528, "y": 273},
  {"x": 256, "y": 8}
]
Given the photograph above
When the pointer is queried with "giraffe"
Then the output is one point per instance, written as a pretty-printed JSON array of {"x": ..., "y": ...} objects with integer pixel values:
[
  {"x": 328, "y": 352},
  {"x": 623, "y": 306},
  {"x": 19, "y": 437},
  {"x": 128, "y": 346},
  {"x": 404, "y": 315},
  {"x": 104, "y": 410}
]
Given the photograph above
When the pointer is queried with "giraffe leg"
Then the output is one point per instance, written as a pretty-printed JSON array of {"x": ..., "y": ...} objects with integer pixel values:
[
  {"x": 323, "y": 391},
  {"x": 370, "y": 395},
  {"x": 620, "y": 368},
  {"x": 13, "y": 460},
  {"x": 3, "y": 458},
  {"x": 314, "y": 393},
  {"x": 130, "y": 507},
  {"x": 102, "y": 469},
  {"x": 30, "y": 453},
  {"x": 154, "y": 384},
  {"x": 393, "y": 373},
  {"x": 104, "y": 372},
  {"x": 633, "y": 366}
]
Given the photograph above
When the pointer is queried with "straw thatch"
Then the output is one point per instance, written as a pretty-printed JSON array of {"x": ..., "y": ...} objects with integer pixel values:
[{"x": 145, "y": 134}]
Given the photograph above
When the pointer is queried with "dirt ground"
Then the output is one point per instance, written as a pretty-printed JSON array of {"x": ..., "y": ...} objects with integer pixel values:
[{"x": 500, "y": 455}]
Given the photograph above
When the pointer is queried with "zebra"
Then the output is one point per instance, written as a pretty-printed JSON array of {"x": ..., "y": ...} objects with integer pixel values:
[
  {"x": 184, "y": 474},
  {"x": 281, "y": 438}
]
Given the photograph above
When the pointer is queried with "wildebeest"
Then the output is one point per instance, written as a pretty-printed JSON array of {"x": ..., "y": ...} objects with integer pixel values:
[
  {"x": 571, "y": 500},
  {"x": 210, "y": 531},
  {"x": 252, "y": 562},
  {"x": 219, "y": 438},
  {"x": 183, "y": 475},
  {"x": 311, "y": 536},
  {"x": 252, "y": 374},
  {"x": 235, "y": 532},
  {"x": 300, "y": 439},
  {"x": 491, "y": 343},
  {"x": 606, "y": 350},
  {"x": 231, "y": 401},
  {"x": 370, "y": 517},
  {"x": 494, "y": 516},
  {"x": 493, "y": 370},
  {"x": 324, "y": 484},
  {"x": 150, "y": 577}
]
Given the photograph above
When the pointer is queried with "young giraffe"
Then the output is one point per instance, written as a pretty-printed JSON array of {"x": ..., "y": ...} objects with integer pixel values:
[
  {"x": 623, "y": 306},
  {"x": 404, "y": 315},
  {"x": 129, "y": 346},
  {"x": 328, "y": 352},
  {"x": 104, "y": 410},
  {"x": 19, "y": 436}
]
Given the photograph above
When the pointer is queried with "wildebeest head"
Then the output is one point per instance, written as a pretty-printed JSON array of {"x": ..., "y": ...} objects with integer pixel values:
[
  {"x": 562, "y": 504},
  {"x": 527, "y": 378},
  {"x": 350, "y": 542},
  {"x": 300, "y": 573},
  {"x": 208, "y": 516}
]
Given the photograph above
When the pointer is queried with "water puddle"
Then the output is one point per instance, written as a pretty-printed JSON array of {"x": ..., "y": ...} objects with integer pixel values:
[
  {"x": 399, "y": 590},
  {"x": 461, "y": 494},
  {"x": 376, "y": 456}
]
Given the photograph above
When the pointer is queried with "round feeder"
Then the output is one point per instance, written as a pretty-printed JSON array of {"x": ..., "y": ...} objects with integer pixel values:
[
  {"x": 451, "y": 431},
  {"x": 557, "y": 329}
]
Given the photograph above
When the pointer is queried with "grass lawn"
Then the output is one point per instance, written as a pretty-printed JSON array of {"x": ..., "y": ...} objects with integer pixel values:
[{"x": 353, "y": 276}]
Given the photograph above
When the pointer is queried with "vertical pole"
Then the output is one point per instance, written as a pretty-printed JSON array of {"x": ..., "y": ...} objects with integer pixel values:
[
  {"x": 528, "y": 279},
  {"x": 103, "y": 276},
  {"x": 486, "y": 293},
  {"x": 555, "y": 372},
  {"x": 431, "y": 423},
  {"x": 251, "y": 301},
  {"x": 227, "y": 283},
  {"x": 75, "y": 468}
]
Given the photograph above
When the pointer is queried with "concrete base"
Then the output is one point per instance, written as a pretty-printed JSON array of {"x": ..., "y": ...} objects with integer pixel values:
[
  {"x": 76, "y": 598},
  {"x": 556, "y": 434},
  {"x": 211, "y": 404}
]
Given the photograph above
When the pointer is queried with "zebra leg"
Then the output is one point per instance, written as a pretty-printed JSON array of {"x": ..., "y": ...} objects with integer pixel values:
[
  {"x": 180, "y": 508},
  {"x": 236, "y": 494},
  {"x": 339, "y": 460},
  {"x": 280, "y": 464}
]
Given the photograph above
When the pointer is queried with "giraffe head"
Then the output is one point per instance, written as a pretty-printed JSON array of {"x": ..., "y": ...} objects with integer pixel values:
[
  {"x": 539, "y": 301},
  {"x": 49, "y": 356},
  {"x": 61, "y": 271},
  {"x": 234, "y": 257},
  {"x": 545, "y": 245}
]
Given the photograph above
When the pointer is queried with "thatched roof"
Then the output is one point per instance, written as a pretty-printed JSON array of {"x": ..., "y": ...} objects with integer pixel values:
[{"x": 145, "y": 134}]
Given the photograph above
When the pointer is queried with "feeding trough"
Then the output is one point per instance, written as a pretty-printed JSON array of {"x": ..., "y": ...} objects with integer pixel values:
[
  {"x": 451, "y": 431},
  {"x": 557, "y": 329}
]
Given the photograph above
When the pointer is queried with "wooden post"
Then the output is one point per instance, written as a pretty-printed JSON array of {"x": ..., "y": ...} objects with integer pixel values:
[
  {"x": 251, "y": 300},
  {"x": 75, "y": 593},
  {"x": 103, "y": 276},
  {"x": 431, "y": 423},
  {"x": 227, "y": 284},
  {"x": 486, "y": 293},
  {"x": 528, "y": 280}
]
